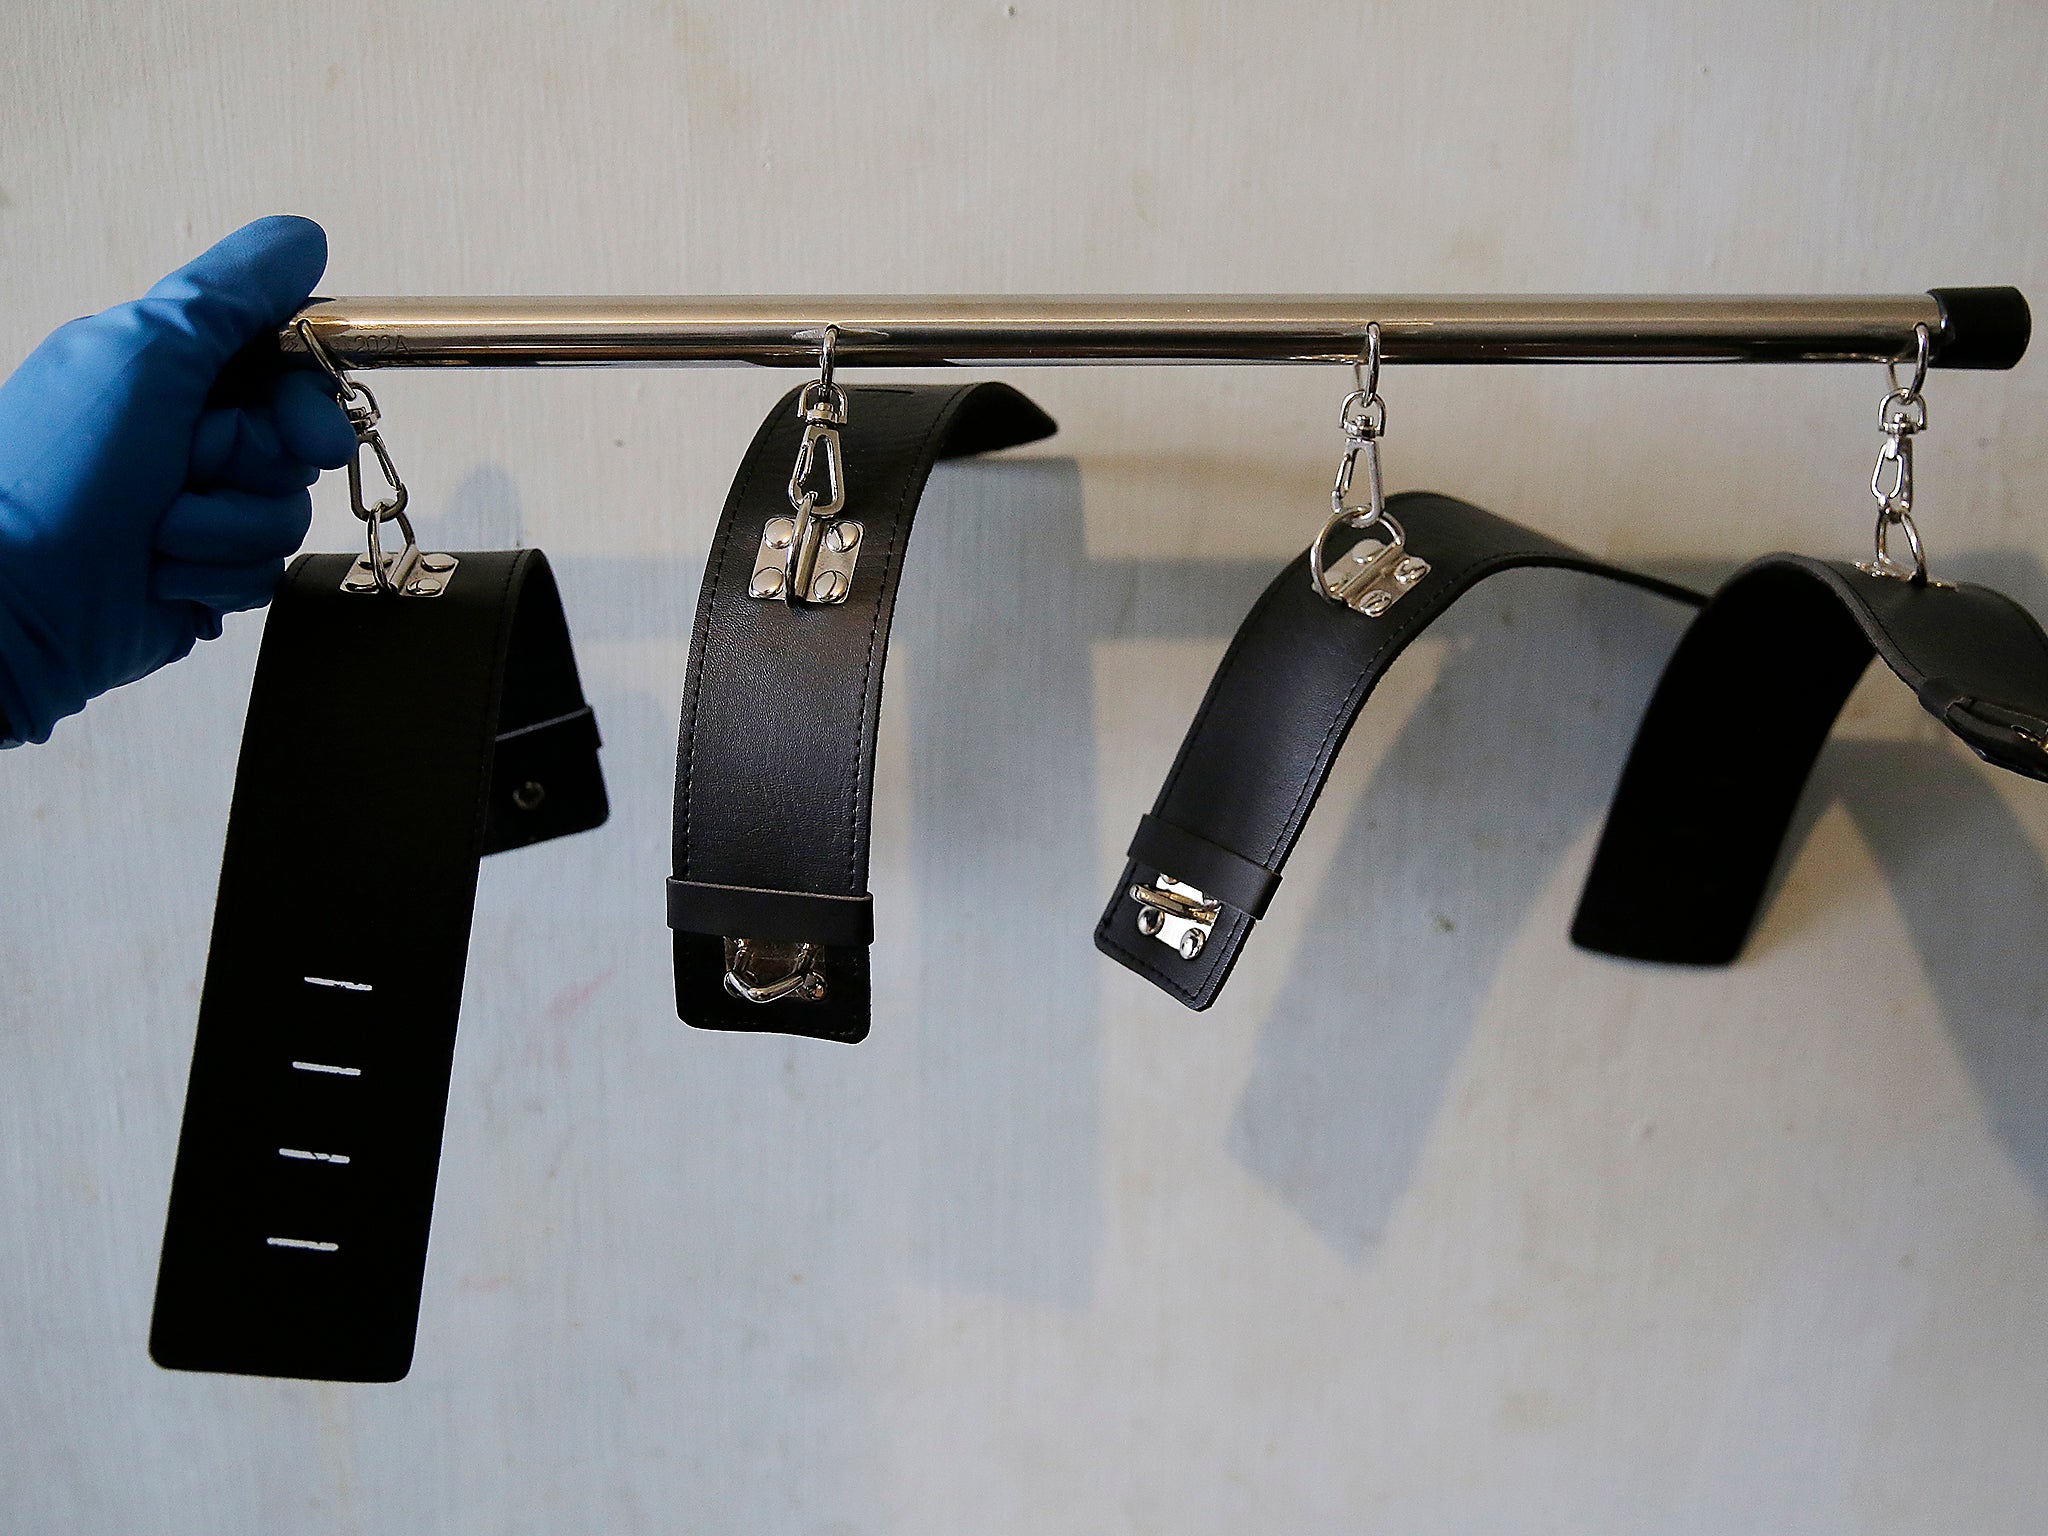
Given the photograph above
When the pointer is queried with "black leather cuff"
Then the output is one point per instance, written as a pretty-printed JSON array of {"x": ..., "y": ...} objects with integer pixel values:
[
  {"x": 1260, "y": 749},
  {"x": 1741, "y": 713},
  {"x": 391, "y": 743},
  {"x": 775, "y": 756}
]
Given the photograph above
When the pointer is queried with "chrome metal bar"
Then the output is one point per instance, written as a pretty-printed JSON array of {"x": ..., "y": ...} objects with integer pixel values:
[{"x": 918, "y": 332}]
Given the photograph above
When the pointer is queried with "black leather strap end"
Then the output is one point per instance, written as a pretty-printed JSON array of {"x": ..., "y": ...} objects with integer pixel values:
[
  {"x": 389, "y": 745},
  {"x": 749, "y": 912},
  {"x": 1193, "y": 983},
  {"x": 545, "y": 783},
  {"x": 1730, "y": 737},
  {"x": 702, "y": 1001},
  {"x": 1211, "y": 868}
]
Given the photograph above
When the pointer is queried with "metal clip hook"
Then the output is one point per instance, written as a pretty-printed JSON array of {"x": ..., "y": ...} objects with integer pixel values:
[
  {"x": 1897, "y": 456},
  {"x": 385, "y": 573},
  {"x": 1900, "y": 414},
  {"x": 1373, "y": 575},
  {"x": 810, "y": 556}
]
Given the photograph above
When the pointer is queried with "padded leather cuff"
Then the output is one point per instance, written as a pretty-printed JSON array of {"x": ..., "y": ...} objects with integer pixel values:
[
  {"x": 1262, "y": 746},
  {"x": 1742, "y": 711},
  {"x": 391, "y": 743},
  {"x": 775, "y": 754}
]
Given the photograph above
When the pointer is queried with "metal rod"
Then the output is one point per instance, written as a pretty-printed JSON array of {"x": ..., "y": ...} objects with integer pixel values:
[{"x": 918, "y": 332}]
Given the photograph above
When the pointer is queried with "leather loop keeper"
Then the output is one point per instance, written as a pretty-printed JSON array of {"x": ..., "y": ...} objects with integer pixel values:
[
  {"x": 745, "y": 911},
  {"x": 1211, "y": 868},
  {"x": 1742, "y": 711},
  {"x": 392, "y": 741}
]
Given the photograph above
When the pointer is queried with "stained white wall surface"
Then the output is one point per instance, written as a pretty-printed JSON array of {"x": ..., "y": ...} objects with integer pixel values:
[{"x": 1434, "y": 1224}]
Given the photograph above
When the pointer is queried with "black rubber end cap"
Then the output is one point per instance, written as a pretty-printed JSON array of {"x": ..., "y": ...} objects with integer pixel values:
[{"x": 1982, "y": 327}]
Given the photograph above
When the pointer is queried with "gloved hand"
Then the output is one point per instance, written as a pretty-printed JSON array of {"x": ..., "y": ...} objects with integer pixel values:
[{"x": 135, "y": 511}]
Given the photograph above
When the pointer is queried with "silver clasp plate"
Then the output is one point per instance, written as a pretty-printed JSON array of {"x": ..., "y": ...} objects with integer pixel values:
[{"x": 1176, "y": 914}]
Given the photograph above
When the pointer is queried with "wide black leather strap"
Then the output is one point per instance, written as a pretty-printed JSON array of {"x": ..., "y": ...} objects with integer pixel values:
[
  {"x": 1740, "y": 715},
  {"x": 1285, "y": 696},
  {"x": 775, "y": 757},
  {"x": 391, "y": 742}
]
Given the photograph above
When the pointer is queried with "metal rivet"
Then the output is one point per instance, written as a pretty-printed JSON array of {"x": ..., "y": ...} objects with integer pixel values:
[
  {"x": 529, "y": 795},
  {"x": 1191, "y": 943},
  {"x": 840, "y": 537},
  {"x": 767, "y": 582},
  {"x": 1150, "y": 921},
  {"x": 1409, "y": 569},
  {"x": 440, "y": 563},
  {"x": 425, "y": 586},
  {"x": 1376, "y": 604},
  {"x": 360, "y": 581},
  {"x": 778, "y": 533},
  {"x": 828, "y": 588}
]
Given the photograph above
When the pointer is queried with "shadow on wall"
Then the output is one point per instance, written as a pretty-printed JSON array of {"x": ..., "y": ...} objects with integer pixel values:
[
  {"x": 1507, "y": 761},
  {"x": 1524, "y": 732},
  {"x": 1973, "y": 893},
  {"x": 1001, "y": 606}
]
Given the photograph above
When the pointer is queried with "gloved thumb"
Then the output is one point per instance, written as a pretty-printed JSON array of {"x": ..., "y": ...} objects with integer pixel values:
[{"x": 244, "y": 288}]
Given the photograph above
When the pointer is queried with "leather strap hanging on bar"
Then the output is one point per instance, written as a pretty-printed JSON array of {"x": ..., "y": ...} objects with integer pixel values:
[
  {"x": 775, "y": 757},
  {"x": 1734, "y": 727},
  {"x": 1206, "y": 862},
  {"x": 392, "y": 741}
]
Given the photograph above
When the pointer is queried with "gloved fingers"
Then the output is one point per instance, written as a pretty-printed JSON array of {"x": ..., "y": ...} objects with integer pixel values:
[
  {"x": 310, "y": 421},
  {"x": 216, "y": 588},
  {"x": 238, "y": 448},
  {"x": 249, "y": 284},
  {"x": 272, "y": 446},
  {"x": 230, "y": 527}
]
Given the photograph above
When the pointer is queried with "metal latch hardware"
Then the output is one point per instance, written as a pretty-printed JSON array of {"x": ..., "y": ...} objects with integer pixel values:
[
  {"x": 1375, "y": 573},
  {"x": 764, "y": 971},
  {"x": 408, "y": 572},
  {"x": 809, "y": 557},
  {"x": 1373, "y": 576},
  {"x": 1176, "y": 914}
]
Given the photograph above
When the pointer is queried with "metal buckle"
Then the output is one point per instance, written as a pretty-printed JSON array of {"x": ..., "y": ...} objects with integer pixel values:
[
  {"x": 774, "y": 971},
  {"x": 1176, "y": 914}
]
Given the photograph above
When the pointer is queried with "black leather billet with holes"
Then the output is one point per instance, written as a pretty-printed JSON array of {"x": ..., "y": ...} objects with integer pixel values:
[
  {"x": 1740, "y": 714},
  {"x": 1283, "y": 699},
  {"x": 391, "y": 742},
  {"x": 775, "y": 757}
]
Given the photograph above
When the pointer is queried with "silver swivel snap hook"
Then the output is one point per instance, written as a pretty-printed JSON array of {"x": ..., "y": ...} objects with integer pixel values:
[
  {"x": 407, "y": 572},
  {"x": 809, "y": 556},
  {"x": 1378, "y": 570},
  {"x": 1900, "y": 416}
]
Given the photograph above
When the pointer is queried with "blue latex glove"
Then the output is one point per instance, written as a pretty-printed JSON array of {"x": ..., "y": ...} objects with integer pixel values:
[{"x": 136, "y": 508}]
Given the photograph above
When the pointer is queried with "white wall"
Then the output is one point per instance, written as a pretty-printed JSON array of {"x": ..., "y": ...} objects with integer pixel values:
[{"x": 1434, "y": 1224}]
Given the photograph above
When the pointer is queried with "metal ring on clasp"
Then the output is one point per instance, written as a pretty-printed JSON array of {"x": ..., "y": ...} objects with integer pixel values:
[
  {"x": 1364, "y": 519},
  {"x": 1888, "y": 564},
  {"x": 378, "y": 572},
  {"x": 1923, "y": 352}
]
